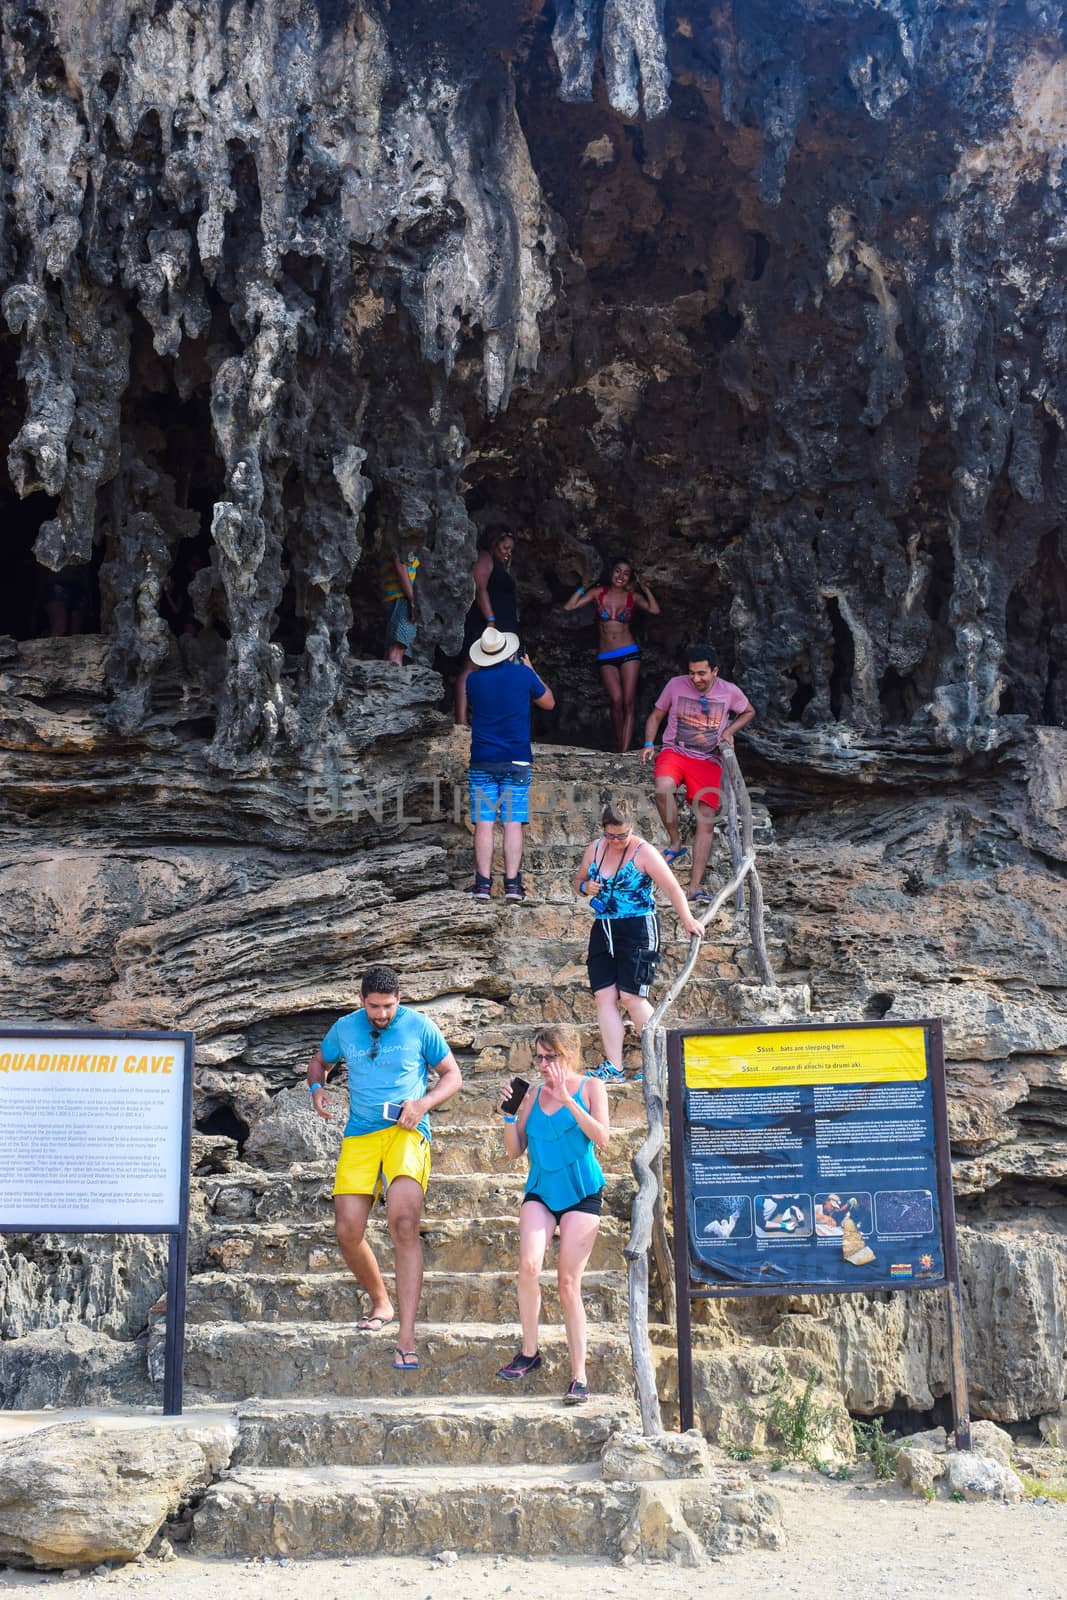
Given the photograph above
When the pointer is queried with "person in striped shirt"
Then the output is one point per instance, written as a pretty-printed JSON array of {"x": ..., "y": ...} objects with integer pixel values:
[{"x": 398, "y": 568}]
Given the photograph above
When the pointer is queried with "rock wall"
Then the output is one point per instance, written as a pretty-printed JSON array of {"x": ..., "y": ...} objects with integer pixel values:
[{"x": 770, "y": 296}]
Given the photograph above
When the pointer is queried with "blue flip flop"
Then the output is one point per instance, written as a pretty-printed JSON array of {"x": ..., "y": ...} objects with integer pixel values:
[
  {"x": 671, "y": 856},
  {"x": 405, "y": 1360}
]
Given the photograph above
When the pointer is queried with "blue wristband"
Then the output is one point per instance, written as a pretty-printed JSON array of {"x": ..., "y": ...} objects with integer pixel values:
[
  {"x": 313, "y": 1086},
  {"x": 581, "y": 591},
  {"x": 581, "y": 887},
  {"x": 650, "y": 744},
  {"x": 511, "y": 1119}
]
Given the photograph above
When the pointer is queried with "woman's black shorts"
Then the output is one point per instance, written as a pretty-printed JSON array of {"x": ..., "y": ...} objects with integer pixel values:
[
  {"x": 592, "y": 1204},
  {"x": 624, "y": 952}
]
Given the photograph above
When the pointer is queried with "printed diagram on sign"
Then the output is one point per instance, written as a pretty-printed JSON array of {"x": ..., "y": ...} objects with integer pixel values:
[
  {"x": 783, "y": 1213},
  {"x": 724, "y": 1216},
  {"x": 831, "y": 1211},
  {"x": 901, "y": 1212}
]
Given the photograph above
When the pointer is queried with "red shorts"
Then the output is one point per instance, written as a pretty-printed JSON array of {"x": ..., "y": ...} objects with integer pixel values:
[{"x": 702, "y": 776}]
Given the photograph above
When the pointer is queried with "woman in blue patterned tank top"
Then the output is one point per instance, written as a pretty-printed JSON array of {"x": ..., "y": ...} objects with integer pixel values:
[
  {"x": 560, "y": 1124},
  {"x": 618, "y": 877}
]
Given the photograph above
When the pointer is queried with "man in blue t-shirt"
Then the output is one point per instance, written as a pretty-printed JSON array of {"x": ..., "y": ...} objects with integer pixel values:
[
  {"x": 388, "y": 1050},
  {"x": 499, "y": 696}
]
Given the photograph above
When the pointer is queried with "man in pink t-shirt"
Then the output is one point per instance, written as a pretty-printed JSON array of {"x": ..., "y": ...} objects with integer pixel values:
[{"x": 703, "y": 711}]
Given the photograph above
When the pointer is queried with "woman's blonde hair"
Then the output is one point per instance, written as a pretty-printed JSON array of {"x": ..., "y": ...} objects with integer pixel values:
[
  {"x": 565, "y": 1040},
  {"x": 618, "y": 813}
]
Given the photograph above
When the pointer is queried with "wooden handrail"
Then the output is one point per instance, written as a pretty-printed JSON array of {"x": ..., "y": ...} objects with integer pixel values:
[{"x": 648, "y": 1219}]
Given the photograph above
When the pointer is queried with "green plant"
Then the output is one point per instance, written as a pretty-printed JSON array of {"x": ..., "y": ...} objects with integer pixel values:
[
  {"x": 797, "y": 1418},
  {"x": 776, "y": 1463},
  {"x": 927, "y": 1490},
  {"x": 1048, "y": 1491},
  {"x": 741, "y": 1452},
  {"x": 958, "y": 1495},
  {"x": 873, "y": 1442}
]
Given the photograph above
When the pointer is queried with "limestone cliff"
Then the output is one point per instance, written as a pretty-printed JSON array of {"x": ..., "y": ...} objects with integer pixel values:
[{"x": 771, "y": 295}]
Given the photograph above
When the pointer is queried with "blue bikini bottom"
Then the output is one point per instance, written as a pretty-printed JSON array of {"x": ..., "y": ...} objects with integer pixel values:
[{"x": 625, "y": 652}]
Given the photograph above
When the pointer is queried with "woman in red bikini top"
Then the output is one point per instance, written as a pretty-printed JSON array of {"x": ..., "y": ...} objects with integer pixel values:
[{"x": 618, "y": 653}]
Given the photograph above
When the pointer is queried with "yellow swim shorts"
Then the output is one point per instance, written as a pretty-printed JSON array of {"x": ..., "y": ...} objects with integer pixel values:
[{"x": 390, "y": 1153}]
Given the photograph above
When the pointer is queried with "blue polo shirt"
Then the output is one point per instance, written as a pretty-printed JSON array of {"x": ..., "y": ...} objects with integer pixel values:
[
  {"x": 499, "y": 698},
  {"x": 397, "y": 1070}
]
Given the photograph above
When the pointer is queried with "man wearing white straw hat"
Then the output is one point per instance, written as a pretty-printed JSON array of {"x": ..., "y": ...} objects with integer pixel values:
[{"x": 499, "y": 696}]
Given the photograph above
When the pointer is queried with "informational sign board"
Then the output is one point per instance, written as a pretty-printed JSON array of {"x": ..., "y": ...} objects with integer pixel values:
[
  {"x": 812, "y": 1159},
  {"x": 94, "y": 1138}
]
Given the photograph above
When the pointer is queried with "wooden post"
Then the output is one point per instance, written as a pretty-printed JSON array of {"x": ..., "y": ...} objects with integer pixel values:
[
  {"x": 734, "y": 834},
  {"x": 648, "y": 1217}
]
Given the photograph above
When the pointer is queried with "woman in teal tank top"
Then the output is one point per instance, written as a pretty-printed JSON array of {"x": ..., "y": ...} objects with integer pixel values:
[{"x": 560, "y": 1124}]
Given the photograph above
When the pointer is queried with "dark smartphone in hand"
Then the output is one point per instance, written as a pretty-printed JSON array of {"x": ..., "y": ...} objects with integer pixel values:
[{"x": 516, "y": 1095}]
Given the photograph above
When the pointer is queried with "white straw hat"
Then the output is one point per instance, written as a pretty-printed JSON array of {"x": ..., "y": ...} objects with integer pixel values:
[{"x": 494, "y": 647}]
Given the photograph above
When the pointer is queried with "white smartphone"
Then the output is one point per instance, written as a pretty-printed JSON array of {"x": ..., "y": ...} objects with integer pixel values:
[{"x": 391, "y": 1112}]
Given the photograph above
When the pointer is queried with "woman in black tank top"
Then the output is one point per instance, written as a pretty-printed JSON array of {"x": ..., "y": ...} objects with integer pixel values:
[{"x": 495, "y": 605}]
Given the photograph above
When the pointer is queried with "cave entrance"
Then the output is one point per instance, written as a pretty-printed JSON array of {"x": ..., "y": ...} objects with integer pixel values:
[
  {"x": 30, "y": 603},
  {"x": 1035, "y": 665}
]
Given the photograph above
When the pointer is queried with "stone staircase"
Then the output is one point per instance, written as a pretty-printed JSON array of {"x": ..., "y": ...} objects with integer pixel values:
[{"x": 339, "y": 1454}]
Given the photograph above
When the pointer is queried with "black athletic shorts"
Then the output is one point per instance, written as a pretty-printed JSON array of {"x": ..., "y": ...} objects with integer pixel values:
[
  {"x": 623, "y": 951},
  {"x": 593, "y": 1204}
]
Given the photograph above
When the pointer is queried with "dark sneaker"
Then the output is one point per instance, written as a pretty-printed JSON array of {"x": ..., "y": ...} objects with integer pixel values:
[
  {"x": 482, "y": 887},
  {"x": 513, "y": 888},
  {"x": 577, "y": 1394},
  {"x": 520, "y": 1365}
]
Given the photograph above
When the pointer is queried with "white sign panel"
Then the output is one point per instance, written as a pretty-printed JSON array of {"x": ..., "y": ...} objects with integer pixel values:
[{"x": 90, "y": 1131}]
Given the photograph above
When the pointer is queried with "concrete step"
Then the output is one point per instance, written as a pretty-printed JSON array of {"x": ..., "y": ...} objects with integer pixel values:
[
  {"x": 452, "y": 1245},
  {"x": 523, "y": 1510},
  {"x": 337, "y": 1297},
  {"x": 236, "y": 1361},
  {"x": 306, "y": 1192},
  {"x": 346, "y": 1432}
]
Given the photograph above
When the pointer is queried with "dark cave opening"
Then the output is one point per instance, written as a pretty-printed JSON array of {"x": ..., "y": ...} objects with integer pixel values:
[
  {"x": 223, "y": 1119},
  {"x": 904, "y": 1420},
  {"x": 804, "y": 693},
  {"x": 1035, "y": 621},
  {"x": 844, "y": 661},
  {"x": 24, "y": 594},
  {"x": 896, "y": 697}
]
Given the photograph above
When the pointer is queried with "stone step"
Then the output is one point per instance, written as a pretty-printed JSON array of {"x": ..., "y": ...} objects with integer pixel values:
[
  {"x": 236, "y": 1361},
  {"x": 480, "y": 1095},
  {"x": 455, "y": 1297},
  {"x": 477, "y": 1431},
  {"x": 338, "y": 1511},
  {"x": 522, "y": 1510},
  {"x": 450, "y": 1246},
  {"x": 705, "y": 999},
  {"x": 466, "y": 1147},
  {"x": 548, "y": 878},
  {"x": 304, "y": 1192}
]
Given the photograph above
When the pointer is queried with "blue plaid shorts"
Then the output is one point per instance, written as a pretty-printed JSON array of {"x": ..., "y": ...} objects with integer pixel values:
[{"x": 504, "y": 788}]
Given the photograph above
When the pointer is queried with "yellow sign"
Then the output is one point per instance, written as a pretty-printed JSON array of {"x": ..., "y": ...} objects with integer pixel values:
[{"x": 806, "y": 1055}]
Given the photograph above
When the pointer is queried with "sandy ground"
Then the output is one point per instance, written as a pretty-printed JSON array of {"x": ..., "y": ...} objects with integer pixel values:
[{"x": 845, "y": 1543}]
